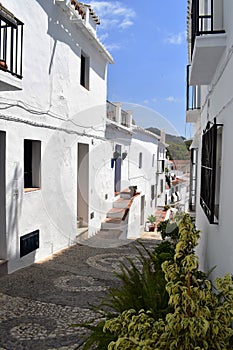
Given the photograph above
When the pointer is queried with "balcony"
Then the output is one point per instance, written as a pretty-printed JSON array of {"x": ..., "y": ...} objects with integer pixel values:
[
  {"x": 193, "y": 100},
  {"x": 208, "y": 40},
  {"x": 11, "y": 50},
  {"x": 116, "y": 114}
]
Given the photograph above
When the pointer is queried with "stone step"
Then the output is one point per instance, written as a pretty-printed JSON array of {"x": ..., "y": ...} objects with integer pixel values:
[
  {"x": 121, "y": 203},
  {"x": 3, "y": 267},
  {"x": 109, "y": 234},
  {"x": 125, "y": 195},
  {"x": 82, "y": 234},
  {"x": 110, "y": 223},
  {"x": 116, "y": 213}
]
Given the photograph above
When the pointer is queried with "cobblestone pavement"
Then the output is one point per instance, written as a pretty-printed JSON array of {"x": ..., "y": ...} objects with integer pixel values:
[{"x": 39, "y": 303}]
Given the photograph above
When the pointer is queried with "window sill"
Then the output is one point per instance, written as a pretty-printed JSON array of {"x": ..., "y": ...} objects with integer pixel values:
[{"x": 31, "y": 189}]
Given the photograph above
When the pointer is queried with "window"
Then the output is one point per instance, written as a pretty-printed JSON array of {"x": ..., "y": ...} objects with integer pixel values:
[
  {"x": 140, "y": 160},
  {"x": 84, "y": 70},
  {"x": 161, "y": 186},
  {"x": 32, "y": 164},
  {"x": 210, "y": 171},
  {"x": 152, "y": 192},
  {"x": 160, "y": 166},
  {"x": 153, "y": 160},
  {"x": 11, "y": 43}
]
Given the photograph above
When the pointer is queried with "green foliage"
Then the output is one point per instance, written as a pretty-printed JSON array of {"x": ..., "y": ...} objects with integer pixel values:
[
  {"x": 141, "y": 286},
  {"x": 168, "y": 230},
  {"x": 201, "y": 319},
  {"x": 178, "y": 151},
  {"x": 151, "y": 218}
]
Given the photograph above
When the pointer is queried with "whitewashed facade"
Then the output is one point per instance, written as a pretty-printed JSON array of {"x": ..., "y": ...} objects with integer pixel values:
[
  {"x": 210, "y": 109},
  {"x": 137, "y": 165},
  {"x": 52, "y": 121}
]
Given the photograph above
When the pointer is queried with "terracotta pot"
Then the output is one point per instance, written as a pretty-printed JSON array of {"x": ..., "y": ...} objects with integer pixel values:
[{"x": 3, "y": 64}]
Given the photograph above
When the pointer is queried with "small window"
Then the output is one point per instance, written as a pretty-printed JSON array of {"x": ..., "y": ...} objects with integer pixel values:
[
  {"x": 32, "y": 164},
  {"x": 84, "y": 70},
  {"x": 140, "y": 160},
  {"x": 161, "y": 186},
  {"x": 152, "y": 192},
  {"x": 153, "y": 160}
]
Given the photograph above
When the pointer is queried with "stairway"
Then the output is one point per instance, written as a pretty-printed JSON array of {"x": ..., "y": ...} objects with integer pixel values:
[
  {"x": 115, "y": 224},
  {"x": 113, "y": 231}
]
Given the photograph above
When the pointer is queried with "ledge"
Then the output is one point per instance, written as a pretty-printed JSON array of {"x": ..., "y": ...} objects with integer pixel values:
[{"x": 9, "y": 82}]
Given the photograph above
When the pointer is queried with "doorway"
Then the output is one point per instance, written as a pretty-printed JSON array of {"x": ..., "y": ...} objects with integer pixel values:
[
  {"x": 142, "y": 219},
  {"x": 83, "y": 184},
  {"x": 3, "y": 250},
  {"x": 117, "y": 178}
]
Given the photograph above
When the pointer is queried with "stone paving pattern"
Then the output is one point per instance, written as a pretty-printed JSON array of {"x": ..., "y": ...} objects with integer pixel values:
[{"x": 39, "y": 303}]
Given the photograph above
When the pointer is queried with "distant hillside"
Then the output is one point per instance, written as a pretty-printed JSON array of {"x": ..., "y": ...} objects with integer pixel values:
[
  {"x": 169, "y": 138},
  {"x": 177, "y": 148}
]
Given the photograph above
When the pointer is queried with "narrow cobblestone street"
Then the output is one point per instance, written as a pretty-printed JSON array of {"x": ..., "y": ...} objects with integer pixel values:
[{"x": 39, "y": 303}]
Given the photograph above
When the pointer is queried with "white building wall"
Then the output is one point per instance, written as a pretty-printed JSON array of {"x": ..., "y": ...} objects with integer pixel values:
[
  {"x": 54, "y": 108},
  {"x": 216, "y": 244}
]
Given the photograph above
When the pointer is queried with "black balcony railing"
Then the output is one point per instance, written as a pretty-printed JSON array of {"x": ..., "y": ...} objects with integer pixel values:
[
  {"x": 193, "y": 94},
  {"x": 11, "y": 43},
  {"x": 202, "y": 23}
]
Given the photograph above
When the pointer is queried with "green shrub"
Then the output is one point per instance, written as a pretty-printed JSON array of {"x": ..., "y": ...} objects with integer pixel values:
[
  {"x": 142, "y": 286},
  {"x": 201, "y": 318}
]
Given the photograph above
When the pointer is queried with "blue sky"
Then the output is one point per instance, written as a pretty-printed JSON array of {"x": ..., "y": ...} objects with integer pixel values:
[{"x": 148, "y": 43}]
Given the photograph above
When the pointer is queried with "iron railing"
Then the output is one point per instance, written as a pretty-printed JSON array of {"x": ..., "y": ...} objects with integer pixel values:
[
  {"x": 11, "y": 43},
  {"x": 193, "y": 179},
  {"x": 202, "y": 23}
]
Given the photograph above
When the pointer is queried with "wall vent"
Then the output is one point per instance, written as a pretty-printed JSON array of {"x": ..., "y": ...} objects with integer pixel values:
[{"x": 29, "y": 243}]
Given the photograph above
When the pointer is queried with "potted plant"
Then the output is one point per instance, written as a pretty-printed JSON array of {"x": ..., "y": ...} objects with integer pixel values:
[
  {"x": 133, "y": 190},
  {"x": 151, "y": 220}
]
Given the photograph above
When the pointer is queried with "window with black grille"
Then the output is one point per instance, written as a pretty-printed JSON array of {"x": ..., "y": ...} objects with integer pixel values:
[{"x": 210, "y": 171}]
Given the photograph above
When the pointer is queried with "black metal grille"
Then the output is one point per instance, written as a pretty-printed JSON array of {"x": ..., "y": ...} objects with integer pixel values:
[
  {"x": 11, "y": 43},
  {"x": 202, "y": 23},
  {"x": 29, "y": 243},
  {"x": 208, "y": 171},
  {"x": 193, "y": 179}
]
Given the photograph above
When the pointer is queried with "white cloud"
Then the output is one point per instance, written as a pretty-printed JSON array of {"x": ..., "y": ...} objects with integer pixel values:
[
  {"x": 113, "y": 14},
  {"x": 113, "y": 46},
  {"x": 171, "y": 99},
  {"x": 176, "y": 39}
]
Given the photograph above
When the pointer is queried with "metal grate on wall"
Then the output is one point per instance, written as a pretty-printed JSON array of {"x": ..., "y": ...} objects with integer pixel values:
[{"x": 29, "y": 243}]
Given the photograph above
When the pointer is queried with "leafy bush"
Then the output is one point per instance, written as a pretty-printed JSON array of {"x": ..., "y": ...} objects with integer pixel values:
[
  {"x": 201, "y": 318},
  {"x": 142, "y": 286}
]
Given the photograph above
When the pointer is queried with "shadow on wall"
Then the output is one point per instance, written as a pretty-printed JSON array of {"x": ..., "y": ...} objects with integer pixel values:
[
  {"x": 61, "y": 29},
  {"x": 13, "y": 212}
]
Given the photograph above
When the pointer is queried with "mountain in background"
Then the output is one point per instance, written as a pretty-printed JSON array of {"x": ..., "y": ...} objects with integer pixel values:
[{"x": 177, "y": 149}]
